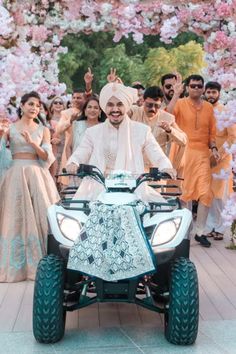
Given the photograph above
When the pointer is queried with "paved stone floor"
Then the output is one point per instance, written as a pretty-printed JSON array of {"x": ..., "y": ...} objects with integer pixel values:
[
  {"x": 126, "y": 328},
  {"x": 215, "y": 337}
]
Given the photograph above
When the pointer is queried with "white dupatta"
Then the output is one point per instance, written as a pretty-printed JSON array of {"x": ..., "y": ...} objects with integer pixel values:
[{"x": 127, "y": 159}]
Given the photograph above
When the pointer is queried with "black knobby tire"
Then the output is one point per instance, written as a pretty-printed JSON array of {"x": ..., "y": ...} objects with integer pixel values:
[
  {"x": 181, "y": 319},
  {"x": 48, "y": 313}
]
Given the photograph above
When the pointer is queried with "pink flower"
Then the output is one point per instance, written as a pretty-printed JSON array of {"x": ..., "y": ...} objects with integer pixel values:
[
  {"x": 117, "y": 37},
  {"x": 223, "y": 10},
  {"x": 183, "y": 15},
  {"x": 39, "y": 33}
]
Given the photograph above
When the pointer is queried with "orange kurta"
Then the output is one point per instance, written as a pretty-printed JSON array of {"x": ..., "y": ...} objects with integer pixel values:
[
  {"x": 199, "y": 125},
  {"x": 222, "y": 188}
]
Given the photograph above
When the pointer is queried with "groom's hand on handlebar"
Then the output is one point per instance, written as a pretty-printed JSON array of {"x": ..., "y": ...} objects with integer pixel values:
[
  {"x": 171, "y": 172},
  {"x": 72, "y": 168}
]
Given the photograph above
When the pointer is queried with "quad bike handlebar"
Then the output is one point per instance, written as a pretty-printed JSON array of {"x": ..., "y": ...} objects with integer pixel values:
[{"x": 84, "y": 170}]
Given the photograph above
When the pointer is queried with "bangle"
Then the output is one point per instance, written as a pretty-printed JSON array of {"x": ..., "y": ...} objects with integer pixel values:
[{"x": 214, "y": 147}]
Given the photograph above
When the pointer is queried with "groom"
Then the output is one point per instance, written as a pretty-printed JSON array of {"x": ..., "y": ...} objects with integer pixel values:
[{"x": 118, "y": 143}]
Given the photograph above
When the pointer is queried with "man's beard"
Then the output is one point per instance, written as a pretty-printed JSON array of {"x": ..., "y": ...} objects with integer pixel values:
[
  {"x": 213, "y": 100},
  {"x": 116, "y": 123},
  {"x": 169, "y": 95}
]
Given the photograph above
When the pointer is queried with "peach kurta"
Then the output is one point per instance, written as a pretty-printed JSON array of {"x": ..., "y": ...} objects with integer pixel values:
[
  {"x": 63, "y": 128},
  {"x": 199, "y": 125},
  {"x": 163, "y": 138}
]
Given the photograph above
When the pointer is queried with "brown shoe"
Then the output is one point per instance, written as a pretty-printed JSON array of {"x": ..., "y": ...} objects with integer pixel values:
[
  {"x": 211, "y": 234},
  {"x": 218, "y": 236}
]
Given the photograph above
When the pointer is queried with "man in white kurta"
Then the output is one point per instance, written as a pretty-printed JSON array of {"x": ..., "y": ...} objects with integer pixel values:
[{"x": 118, "y": 144}]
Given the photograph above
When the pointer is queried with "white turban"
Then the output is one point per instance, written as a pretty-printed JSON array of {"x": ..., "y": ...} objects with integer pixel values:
[{"x": 127, "y": 95}]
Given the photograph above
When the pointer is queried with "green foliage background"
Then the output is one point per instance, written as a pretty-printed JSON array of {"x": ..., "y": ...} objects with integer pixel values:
[{"x": 145, "y": 62}]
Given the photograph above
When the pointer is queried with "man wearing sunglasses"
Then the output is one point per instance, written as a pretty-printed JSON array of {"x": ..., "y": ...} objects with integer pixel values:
[
  {"x": 172, "y": 88},
  {"x": 162, "y": 124},
  {"x": 221, "y": 187},
  {"x": 196, "y": 118}
]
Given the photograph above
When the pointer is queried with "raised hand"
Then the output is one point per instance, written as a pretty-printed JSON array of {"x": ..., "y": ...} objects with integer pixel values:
[
  {"x": 88, "y": 77},
  {"x": 178, "y": 86},
  {"x": 112, "y": 77}
]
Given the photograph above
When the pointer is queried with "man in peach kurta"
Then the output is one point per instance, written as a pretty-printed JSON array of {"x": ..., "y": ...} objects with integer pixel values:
[
  {"x": 162, "y": 123},
  {"x": 196, "y": 118},
  {"x": 221, "y": 188}
]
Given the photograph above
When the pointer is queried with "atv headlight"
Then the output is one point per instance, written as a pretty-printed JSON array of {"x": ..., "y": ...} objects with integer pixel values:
[
  {"x": 68, "y": 226},
  {"x": 165, "y": 231}
]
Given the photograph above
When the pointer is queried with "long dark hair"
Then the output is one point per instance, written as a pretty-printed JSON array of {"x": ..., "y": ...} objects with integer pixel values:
[
  {"x": 40, "y": 118},
  {"x": 102, "y": 116},
  {"x": 25, "y": 98}
]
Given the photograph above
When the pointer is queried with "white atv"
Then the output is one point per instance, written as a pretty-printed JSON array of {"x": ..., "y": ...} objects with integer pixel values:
[{"x": 171, "y": 289}]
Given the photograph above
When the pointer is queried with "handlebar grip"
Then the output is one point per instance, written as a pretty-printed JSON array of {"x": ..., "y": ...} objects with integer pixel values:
[
  {"x": 154, "y": 171},
  {"x": 85, "y": 168},
  {"x": 166, "y": 175}
]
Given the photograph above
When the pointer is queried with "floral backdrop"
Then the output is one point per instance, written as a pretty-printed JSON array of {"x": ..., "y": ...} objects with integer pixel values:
[{"x": 31, "y": 32}]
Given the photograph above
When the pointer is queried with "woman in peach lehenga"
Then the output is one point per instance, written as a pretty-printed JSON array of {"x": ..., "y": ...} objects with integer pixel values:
[{"x": 26, "y": 191}]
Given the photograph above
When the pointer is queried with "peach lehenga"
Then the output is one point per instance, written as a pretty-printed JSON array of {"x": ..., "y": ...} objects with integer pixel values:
[{"x": 26, "y": 191}]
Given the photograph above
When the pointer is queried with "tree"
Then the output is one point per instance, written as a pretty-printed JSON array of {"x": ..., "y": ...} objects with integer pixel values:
[
  {"x": 133, "y": 61},
  {"x": 189, "y": 58},
  {"x": 186, "y": 59},
  {"x": 128, "y": 68}
]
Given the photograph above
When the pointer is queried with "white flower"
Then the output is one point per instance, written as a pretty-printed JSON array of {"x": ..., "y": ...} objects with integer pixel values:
[
  {"x": 167, "y": 9},
  {"x": 170, "y": 29},
  {"x": 129, "y": 12},
  {"x": 231, "y": 26},
  {"x": 55, "y": 39},
  {"x": 6, "y": 22},
  {"x": 138, "y": 37},
  {"x": 105, "y": 9},
  {"x": 211, "y": 38},
  {"x": 223, "y": 174}
]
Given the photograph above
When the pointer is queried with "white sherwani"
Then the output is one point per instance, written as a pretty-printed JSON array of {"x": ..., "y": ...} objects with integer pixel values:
[{"x": 109, "y": 148}]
